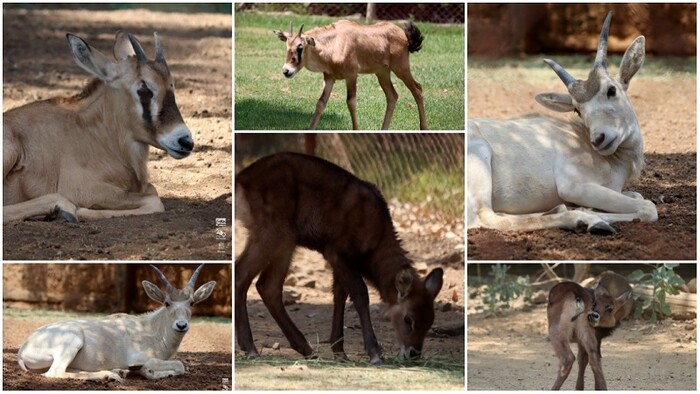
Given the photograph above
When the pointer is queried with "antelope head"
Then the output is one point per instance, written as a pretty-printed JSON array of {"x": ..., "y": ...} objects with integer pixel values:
[
  {"x": 601, "y": 100},
  {"x": 295, "y": 49},
  {"x": 178, "y": 303},
  {"x": 148, "y": 87}
]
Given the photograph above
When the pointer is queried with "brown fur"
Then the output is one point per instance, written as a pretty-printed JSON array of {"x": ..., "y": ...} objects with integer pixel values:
[
  {"x": 345, "y": 49},
  {"x": 585, "y": 316},
  {"x": 84, "y": 157},
  {"x": 288, "y": 200}
]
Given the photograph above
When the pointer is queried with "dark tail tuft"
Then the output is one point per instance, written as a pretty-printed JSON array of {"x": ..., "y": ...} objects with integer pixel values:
[{"x": 415, "y": 38}]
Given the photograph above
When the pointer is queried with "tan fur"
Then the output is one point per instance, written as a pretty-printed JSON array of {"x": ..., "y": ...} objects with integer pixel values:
[{"x": 85, "y": 156}]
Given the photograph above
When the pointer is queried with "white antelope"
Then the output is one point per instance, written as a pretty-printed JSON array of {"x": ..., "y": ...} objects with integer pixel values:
[
  {"x": 110, "y": 347},
  {"x": 84, "y": 157},
  {"x": 345, "y": 49},
  {"x": 522, "y": 172}
]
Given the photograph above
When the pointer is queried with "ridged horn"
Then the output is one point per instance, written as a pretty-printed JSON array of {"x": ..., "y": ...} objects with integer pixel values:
[
  {"x": 162, "y": 278},
  {"x": 601, "y": 57},
  {"x": 140, "y": 56},
  {"x": 561, "y": 72},
  {"x": 291, "y": 30},
  {"x": 193, "y": 279},
  {"x": 159, "y": 49},
  {"x": 301, "y": 29}
]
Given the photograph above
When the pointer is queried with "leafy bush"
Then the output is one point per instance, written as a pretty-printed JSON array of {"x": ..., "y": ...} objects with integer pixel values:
[
  {"x": 503, "y": 289},
  {"x": 664, "y": 281}
]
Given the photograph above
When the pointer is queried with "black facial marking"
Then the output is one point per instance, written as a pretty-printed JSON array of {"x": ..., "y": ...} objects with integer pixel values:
[
  {"x": 145, "y": 96},
  {"x": 169, "y": 113},
  {"x": 611, "y": 92},
  {"x": 577, "y": 112},
  {"x": 300, "y": 49}
]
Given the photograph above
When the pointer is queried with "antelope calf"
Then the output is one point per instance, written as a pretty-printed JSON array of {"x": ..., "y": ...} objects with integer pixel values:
[
  {"x": 586, "y": 316},
  {"x": 84, "y": 157},
  {"x": 522, "y": 172},
  {"x": 288, "y": 200},
  {"x": 110, "y": 347},
  {"x": 345, "y": 49}
]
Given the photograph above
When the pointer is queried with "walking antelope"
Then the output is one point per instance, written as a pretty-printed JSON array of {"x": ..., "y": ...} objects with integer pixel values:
[
  {"x": 519, "y": 168},
  {"x": 344, "y": 49},
  {"x": 106, "y": 348},
  {"x": 84, "y": 157}
]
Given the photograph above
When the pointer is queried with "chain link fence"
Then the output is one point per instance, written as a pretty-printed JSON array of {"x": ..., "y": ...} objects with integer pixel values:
[
  {"x": 431, "y": 12},
  {"x": 426, "y": 170}
]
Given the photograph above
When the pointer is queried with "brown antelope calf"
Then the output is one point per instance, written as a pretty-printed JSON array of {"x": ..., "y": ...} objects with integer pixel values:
[
  {"x": 586, "y": 316},
  {"x": 345, "y": 49},
  {"x": 288, "y": 200},
  {"x": 84, "y": 157}
]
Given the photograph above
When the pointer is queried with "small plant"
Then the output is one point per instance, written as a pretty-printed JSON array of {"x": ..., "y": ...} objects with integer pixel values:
[
  {"x": 504, "y": 289},
  {"x": 664, "y": 281}
]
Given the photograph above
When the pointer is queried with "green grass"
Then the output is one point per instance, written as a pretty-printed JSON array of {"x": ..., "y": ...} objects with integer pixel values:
[
  {"x": 272, "y": 373},
  {"x": 266, "y": 100}
]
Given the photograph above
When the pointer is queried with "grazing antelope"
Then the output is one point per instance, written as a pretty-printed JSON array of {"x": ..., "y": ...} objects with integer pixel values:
[
  {"x": 344, "y": 49},
  {"x": 107, "y": 348},
  {"x": 586, "y": 316},
  {"x": 288, "y": 200},
  {"x": 520, "y": 168},
  {"x": 84, "y": 157}
]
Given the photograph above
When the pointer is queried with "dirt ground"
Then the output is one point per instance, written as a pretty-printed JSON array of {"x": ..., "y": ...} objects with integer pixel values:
[
  {"x": 195, "y": 191},
  {"x": 309, "y": 286},
  {"x": 205, "y": 351},
  {"x": 512, "y": 352},
  {"x": 666, "y": 108}
]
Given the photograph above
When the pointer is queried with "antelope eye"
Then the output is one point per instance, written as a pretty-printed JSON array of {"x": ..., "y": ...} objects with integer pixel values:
[
  {"x": 408, "y": 321},
  {"x": 577, "y": 112},
  {"x": 191, "y": 303},
  {"x": 144, "y": 91},
  {"x": 167, "y": 304},
  {"x": 609, "y": 309},
  {"x": 611, "y": 92}
]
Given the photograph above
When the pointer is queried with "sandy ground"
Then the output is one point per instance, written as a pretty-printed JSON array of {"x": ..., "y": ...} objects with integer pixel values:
[
  {"x": 205, "y": 351},
  {"x": 512, "y": 352},
  {"x": 666, "y": 106},
  {"x": 195, "y": 191},
  {"x": 309, "y": 285}
]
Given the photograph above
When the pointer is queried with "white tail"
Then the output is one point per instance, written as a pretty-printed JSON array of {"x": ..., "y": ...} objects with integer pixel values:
[
  {"x": 522, "y": 172},
  {"x": 107, "y": 348}
]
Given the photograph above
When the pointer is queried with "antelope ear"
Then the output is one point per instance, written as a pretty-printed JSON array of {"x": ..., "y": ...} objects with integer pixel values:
[
  {"x": 90, "y": 59},
  {"x": 433, "y": 282},
  {"x": 632, "y": 61},
  {"x": 153, "y": 292},
  {"x": 122, "y": 46},
  {"x": 404, "y": 281},
  {"x": 204, "y": 292},
  {"x": 310, "y": 41},
  {"x": 560, "y": 102},
  {"x": 280, "y": 35},
  {"x": 623, "y": 298}
]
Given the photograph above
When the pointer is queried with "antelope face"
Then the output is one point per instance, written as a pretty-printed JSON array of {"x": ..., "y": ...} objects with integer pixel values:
[
  {"x": 178, "y": 305},
  {"x": 607, "y": 309},
  {"x": 413, "y": 314},
  {"x": 143, "y": 85},
  {"x": 296, "y": 44}
]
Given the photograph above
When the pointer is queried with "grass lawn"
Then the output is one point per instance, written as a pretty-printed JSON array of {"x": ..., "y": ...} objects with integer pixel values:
[{"x": 266, "y": 100}]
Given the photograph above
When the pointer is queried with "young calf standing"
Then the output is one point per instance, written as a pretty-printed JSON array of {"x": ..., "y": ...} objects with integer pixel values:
[
  {"x": 288, "y": 199},
  {"x": 586, "y": 316}
]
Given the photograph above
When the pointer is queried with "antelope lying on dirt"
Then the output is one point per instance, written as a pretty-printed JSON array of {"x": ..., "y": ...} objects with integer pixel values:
[
  {"x": 519, "y": 168},
  {"x": 586, "y": 316},
  {"x": 107, "y": 348},
  {"x": 344, "y": 49},
  {"x": 84, "y": 157},
  {"x": 288, "y": 200}
]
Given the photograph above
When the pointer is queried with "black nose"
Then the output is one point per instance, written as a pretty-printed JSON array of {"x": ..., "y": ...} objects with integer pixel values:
[
  {"x": 593, "y": 317},
  {"x": 181, "y": 326},
  {"x": 186, "y": 143},
  {"x": 599, "y": 140}
]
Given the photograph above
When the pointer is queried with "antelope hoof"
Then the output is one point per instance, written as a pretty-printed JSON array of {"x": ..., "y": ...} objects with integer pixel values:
[
  {"x": 602, "y": 228},
  {"x": 377, "y": 361},
  {"x": 252, "y": 355},
  {"x": 59, "y": 214},
  {"x": 341, "y": 356}
]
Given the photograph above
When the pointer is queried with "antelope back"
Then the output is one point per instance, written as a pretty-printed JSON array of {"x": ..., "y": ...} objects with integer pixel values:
[
  {"x": 601, "y": 100},
  {"x": 143, "y": 88}
]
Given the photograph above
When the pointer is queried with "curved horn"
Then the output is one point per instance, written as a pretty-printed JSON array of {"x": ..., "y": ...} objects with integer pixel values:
[
  {"x": 162, "y": 278},
  {"x": 140, "y": 56},
  {"x": 601, "y": 57},
  {"x": 300, "y": 29},
  {"x": 193, "y": 279},
  {"x": 561, "y": 73},
  {"x": 159, "y": 50},
  {"x": 291, "y": 30}
]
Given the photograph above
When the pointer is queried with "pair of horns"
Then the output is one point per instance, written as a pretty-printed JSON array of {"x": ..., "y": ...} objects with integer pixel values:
[
  {"x": 140, "y": 55},
  {"x": 166, "y": 282},
  {"x": 583, "y": 91},
  {"x": 291, "y": 29}
]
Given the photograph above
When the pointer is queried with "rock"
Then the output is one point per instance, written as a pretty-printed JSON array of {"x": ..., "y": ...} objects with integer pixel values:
[
  {"x": 310, "y": 284},
  {"x": 421, "y": 267},
  {"x": 445, "y": 307},
  {"x": 276, "y": 346},
  {"x": 290, "y": 297},
  {"x": 539, "y": 297},
  {"x": 692, "y": 286},
  {"x": 291, "y": 280}
]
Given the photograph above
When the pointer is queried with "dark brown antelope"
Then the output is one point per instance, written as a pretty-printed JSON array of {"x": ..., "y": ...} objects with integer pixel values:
[
  {"x": 110, "y": 347},
  {"x": 586, "y": 316},
  {"x": 84, "y": 157},
  {"x": 288, "y": 200},
  {"x": 345, "y": 49},
  {"x": 523, "y": 172}
]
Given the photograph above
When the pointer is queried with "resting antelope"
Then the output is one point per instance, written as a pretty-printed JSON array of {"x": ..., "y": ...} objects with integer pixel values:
[
  {"x": 522, "y": 172},
  {"x": 344, "y": 49},
  {"x": 84, "y": 157},
  {"x": 107, "y": 348}
]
